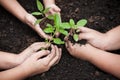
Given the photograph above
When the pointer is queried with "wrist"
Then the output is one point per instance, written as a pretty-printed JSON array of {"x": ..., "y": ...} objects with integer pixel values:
[
  {"x": 48, "y": 2},
  {"x": 107, "y": 42}
]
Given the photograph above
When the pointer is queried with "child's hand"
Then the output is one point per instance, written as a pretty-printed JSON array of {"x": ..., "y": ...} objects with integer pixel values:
[
  {"x": 79, "y": 51},
  {"x": 95, "y": 38},
  {"x": 53, "y": 9},
  {"x": 30, "y": 20},
  {"x": 31, "y": 50},
  {"x": 41, "y": 61}
]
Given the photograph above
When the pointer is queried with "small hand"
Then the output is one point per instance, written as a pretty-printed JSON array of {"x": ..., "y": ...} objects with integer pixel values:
[
  {"x": 95, "y": 38},
  {"x": 30, "y": 20},
  {"x": 53, "y": 9},
  {"x": 79, "y": 51},
  {"x": 41, "y": 61},
  {"x": 30, "y": 51}
]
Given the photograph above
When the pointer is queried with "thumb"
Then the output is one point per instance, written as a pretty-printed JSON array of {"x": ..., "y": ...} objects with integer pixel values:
[
  {"x": 85, "y": 36},
  {"x": 41, "y": 54}
]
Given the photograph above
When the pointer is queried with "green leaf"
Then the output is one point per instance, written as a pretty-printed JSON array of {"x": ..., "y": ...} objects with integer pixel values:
[
  {"x": 38, "y": 21},
  {"x": 72, "y": 22},
  {"x": 65, "y": 25},
  {"x": 46, "y": 10},
  {"x": 51, "y": 17},
  {"x": 39, "y": 6},
  {"x": 36, "y": 13},
  {"x": 57, "y": 21},
  {"x": 49, "y": 25},
  {"x": 82, "y": 22},
  {"x": 64, "y": 32},
  {"x": 58, "y": 41},
  {"x": 49, "y": 30},
  {"x": 75, "y": 37}
]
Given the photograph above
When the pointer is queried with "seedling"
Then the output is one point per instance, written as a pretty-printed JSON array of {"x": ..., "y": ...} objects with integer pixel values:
[
  {"x": 58, "y": 26},
  {"x": 74, "y": 32},
  {"x": 42, "y": 11}
]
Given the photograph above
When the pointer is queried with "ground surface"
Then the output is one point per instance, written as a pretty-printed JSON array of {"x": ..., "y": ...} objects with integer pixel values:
[{"x": 102, "y": 15}]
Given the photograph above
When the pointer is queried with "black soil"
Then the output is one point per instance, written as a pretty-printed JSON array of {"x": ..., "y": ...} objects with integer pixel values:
[{"x": 102, "y": 15}]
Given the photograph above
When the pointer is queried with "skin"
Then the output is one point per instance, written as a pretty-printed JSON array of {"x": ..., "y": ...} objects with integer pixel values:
[
  {"x": 53, "y": 7},
  {"x": 27, "y": 18},
  {"x": 102, "y": 40},
  {"x": 11, "y": 60},
  {"x": 33, "y": 64},
  {"x": 106, "y": 61},
  {"x": 92, "y": 51}
]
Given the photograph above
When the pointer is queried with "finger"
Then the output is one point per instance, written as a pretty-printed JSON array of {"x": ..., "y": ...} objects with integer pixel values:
[
  {"x": 41, "y": 33},
  {"x": 55, "y": 59},
  {"x": 52, "y": 11},
  {"x": 68, "y": 45},
  {"x": 56, "y": 9},
  {"x": 85, "y": 29},
  {"x": 51, "y": 55},
  {"x": 36, "y": 46},
  {"x": 86, "y": 36},
  {"x": 60, "y": 53},
  {"x": 40, "y": 54}
]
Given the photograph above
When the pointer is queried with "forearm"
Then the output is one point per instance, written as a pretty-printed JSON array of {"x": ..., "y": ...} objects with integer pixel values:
[
  {"x": 113, "y": 39},
  {"x": 106, "y": 61},
  {"x": 8, "y": 60},
  {"x": 15, "y": 8},
  {"x": 48, "y": 2},
  {"x": 17, "y": 73}
]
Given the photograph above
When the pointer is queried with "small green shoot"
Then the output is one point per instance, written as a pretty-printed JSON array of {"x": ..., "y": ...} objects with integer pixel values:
[
  {"x": 42, "y": 11},
  {"x": 56, "y": 27},
  {"x": 74, "y": 27}
]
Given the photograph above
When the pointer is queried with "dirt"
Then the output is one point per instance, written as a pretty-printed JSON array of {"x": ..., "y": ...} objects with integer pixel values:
[{"x": 15, "y": 36}]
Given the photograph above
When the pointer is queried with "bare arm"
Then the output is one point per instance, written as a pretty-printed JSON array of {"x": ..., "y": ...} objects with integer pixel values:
[
  {"x": 47, "y": 2},
  {"x": 8, "y": 60},
  {"x": 15, "y": 8},
  {"x": 106, "y": 61},
  {"x": 17, "y": 73},
  {"x": 114, "y": 38},
  {"x": 33, "y": 65},
  {"x": 106, "y": 41}
]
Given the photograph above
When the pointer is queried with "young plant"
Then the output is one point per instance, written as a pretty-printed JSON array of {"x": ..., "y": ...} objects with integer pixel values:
[
  {"x": 57, "y": 27},
  {"x": 74, "y": 32},
  {"x": 42, "y": 11}
]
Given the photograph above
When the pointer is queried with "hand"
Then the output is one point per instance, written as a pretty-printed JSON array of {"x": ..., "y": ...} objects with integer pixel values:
[
  {"x": 53, "y": 9},
  {"x": 30, "y": 20},
  {"x": 30, "y": 51},
  {"x": 41, "y": 61},
  {"x": 80, "y": 51},
  {"x": 95, "y": 38}
]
